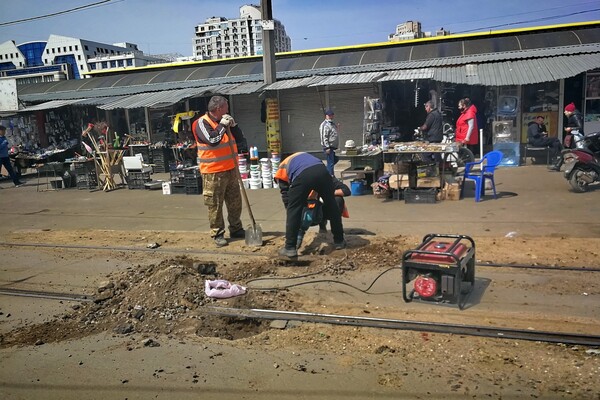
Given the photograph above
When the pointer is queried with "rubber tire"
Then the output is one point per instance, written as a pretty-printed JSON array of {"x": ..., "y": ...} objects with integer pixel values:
[{"x": 577, "y": 185}]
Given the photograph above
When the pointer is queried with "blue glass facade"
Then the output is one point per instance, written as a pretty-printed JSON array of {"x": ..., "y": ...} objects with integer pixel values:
[
  {"x": 69, "y": 59},
  {"x": 33, "y": 53}
]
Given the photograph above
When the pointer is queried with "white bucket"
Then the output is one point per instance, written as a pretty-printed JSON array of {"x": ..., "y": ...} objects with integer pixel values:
[
  {"x": 255, "y": 183},
  {"x": 246, "y": 183}
]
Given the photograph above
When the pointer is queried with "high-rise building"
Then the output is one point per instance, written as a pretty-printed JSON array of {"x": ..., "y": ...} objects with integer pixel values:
[
  {"x": 412, "y": 30},
  {"x": 219, "y": 37},
  {"x": 62, "y": 57}
]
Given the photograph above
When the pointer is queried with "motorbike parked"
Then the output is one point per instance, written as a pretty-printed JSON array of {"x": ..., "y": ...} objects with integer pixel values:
[{"x": 582, "y": 163}]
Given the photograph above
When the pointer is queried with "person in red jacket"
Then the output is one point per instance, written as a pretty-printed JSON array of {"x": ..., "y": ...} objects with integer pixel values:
[
  {"x": 297, "y": 176},
  {"x": 467, "y": 132}
]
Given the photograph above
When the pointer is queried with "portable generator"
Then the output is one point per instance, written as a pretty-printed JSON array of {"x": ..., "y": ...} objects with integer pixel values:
[{"x": 437, "y": 269}]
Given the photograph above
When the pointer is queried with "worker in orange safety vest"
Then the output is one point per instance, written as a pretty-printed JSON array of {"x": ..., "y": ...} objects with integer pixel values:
[{"x": 217, "y": 164}]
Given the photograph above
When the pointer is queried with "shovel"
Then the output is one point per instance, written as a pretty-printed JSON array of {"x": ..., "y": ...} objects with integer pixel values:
[{"x": 253, "y": 232}]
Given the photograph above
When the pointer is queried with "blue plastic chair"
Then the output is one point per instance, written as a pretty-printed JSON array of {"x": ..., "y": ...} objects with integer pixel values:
[{"x": 487, "y": 164}]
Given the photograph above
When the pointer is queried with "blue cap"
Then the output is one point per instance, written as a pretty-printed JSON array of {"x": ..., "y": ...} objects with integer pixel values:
[{"x": 329, "y": 111}]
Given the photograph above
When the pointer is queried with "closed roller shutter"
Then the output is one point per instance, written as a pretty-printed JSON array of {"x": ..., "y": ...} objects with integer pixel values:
[
  {"x": 246, "y": 111},
  {"x": 347, "y": 101},
  {"x": 301, "y": 114}
]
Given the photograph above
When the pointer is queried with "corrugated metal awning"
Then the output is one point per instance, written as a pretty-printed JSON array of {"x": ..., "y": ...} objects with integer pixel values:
[
  {"x": 344, "y": 79},
  {"x": 49, "y": 105},
  {"x": 154, "y": 100},
  {"x": 518, "y": 72},
  {"x": 408, "y": 74},
  {"x": 293, "y": 83},
  {"x": 239, "y": 88}
]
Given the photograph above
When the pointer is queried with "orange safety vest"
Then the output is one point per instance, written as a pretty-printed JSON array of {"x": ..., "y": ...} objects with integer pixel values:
[{"x": 212, "y": 159}]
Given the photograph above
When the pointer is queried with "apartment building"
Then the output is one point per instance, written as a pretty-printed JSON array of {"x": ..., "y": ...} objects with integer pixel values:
[
  {"x": 62, "y": 57},
  {"x": 219, "y": 37}
]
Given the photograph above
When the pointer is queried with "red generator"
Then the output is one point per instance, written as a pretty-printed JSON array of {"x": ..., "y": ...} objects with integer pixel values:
[{"x": 438, "y": 268}]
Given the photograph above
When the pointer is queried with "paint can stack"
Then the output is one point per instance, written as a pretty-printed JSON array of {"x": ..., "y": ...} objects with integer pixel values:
[
  {"x": 243, "y": 166},
  {"x": 255, "y": 182},
  {"x": 266, "y": 173},
  {"x": 275, "y": 160}
]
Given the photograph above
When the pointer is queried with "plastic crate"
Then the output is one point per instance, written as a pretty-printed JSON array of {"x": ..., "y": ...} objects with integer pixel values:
[
  {"x": 177, "y": 176},
  {"x": 177, "y": 189},
  {"x": 420, "y": 196},
  {"x": 87, "y": 181},
  {"x": 193, "y": 190},
  {"x": 137, "y": 180},
  {"x": 375, "y": 162}
]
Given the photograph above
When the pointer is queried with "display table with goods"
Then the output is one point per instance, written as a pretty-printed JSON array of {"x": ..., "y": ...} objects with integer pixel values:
[
  {"x": 365, "y": 165},
  {"x": 416, "y": 169}
]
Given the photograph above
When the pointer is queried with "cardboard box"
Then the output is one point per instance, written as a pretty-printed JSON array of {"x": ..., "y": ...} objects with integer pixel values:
[
  {"x": 452, "y": 191},
  {"x": 429, "y": 182},
  {"x": 399, "y": 181},
  {"x": 396, "y": 168}
]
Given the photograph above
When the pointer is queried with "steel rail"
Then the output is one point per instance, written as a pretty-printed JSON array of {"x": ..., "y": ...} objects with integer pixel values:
[
  {"x": 258, "y": 255},
  {"x": 45, "y": 295},
  {"x": 456, "y": 329},
  {"x": 134, "y": 249}
]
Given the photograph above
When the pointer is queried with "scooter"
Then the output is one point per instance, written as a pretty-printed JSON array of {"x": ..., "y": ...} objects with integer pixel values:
[{"x": 582, "y": 164}]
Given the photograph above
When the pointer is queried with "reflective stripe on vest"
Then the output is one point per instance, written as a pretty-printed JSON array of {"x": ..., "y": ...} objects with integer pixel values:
[{"x": 217, "y": 158}]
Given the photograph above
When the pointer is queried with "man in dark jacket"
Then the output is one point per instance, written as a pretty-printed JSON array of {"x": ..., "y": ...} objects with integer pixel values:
[
  {"x": 297, "y": 176},
  {"x": 432, "y": 128},
  {"x": 538, "y": 137},
  {"x": 5, "y": 158}
]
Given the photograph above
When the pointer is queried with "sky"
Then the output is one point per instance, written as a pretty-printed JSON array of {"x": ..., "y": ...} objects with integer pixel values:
[{"x": 167, "y": 26}]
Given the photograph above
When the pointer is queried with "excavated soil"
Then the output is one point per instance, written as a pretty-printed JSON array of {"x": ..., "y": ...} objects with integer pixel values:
[{"x": 161, "y": 297}]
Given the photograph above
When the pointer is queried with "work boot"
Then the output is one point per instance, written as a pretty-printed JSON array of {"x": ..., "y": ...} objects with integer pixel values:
[
  {"x": 299, "y": 240},
  {"x": 287, "y": 253},
  {"x": 323, "y": 228},
  {"x": 340, "y": 245},
  {"x": 239, "y": 234},
  {"x": 220, "y": 241}
]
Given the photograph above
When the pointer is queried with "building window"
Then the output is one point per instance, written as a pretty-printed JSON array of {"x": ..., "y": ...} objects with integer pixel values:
[
  {"x": 113, "y": 64},
  {"x": 93, "y": 66},
  {"x": 81, "y": 67},
  {"x": 85, "y": 47},
  {"x": 52, "y": 51},
  {"x": 129, "y": 62},
  {"x": 70, "y": 48},
  {"x": 79, "y": 57},
  {"x": 65, "y": 49},
  {"x": 77, "y": 48},
  {"x": 119, "y": 63},
  {"x": 104, "y": 64}
]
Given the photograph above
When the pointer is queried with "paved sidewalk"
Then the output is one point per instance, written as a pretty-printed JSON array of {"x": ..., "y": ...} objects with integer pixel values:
[{"x": 532, "y": 201}]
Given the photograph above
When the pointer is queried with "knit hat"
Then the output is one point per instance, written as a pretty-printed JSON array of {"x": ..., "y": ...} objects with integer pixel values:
[
  {"x": 329, "y": 111},
  {"x": 570, "y": 107}
]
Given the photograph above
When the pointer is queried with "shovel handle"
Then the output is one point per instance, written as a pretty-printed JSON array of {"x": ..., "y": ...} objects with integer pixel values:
[{"x": 239, "y": 178}]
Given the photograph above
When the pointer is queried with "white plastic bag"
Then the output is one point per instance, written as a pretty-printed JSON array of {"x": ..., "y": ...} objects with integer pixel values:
[{"x": 222, "y": 289}]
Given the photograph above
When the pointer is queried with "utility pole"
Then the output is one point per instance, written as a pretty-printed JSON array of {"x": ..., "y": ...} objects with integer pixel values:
[{"x": 268, "y": 25}]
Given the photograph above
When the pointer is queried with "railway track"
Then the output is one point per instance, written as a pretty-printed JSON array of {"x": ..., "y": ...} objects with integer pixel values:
[
  {"x": 304, "y": 259},
  {"x": 422, "y": 326},
  {"x": 434, "y": 327}
]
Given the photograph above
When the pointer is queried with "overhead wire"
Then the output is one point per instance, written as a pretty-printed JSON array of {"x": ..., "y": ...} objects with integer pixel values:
[{"x": 71, "y": 10}]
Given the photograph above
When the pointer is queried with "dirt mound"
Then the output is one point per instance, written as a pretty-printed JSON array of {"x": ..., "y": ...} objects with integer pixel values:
[{"x": 165, "y": 298}]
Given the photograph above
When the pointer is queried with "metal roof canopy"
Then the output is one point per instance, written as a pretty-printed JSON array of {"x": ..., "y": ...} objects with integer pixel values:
[{"x": 446, "y": 52}]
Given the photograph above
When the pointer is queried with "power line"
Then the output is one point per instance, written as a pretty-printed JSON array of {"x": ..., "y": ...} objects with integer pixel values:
[
  {"x": 80, "y": 8},
  {"x": 528, "y": 21}
]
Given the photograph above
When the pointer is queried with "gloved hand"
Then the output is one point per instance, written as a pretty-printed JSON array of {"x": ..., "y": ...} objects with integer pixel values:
[{"x": 227, "y": 120}]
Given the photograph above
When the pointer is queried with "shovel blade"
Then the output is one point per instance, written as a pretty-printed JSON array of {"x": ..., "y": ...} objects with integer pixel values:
[{"x": 254, "y": 236}]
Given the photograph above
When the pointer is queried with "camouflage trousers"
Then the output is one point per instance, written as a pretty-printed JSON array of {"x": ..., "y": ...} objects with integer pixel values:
[{"x": 219, "y": 188}]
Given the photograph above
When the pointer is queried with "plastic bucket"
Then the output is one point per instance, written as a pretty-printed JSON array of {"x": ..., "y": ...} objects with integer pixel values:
[
  {"x": 255, "y": 183},
  {"x": 357, "y": 188}
]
